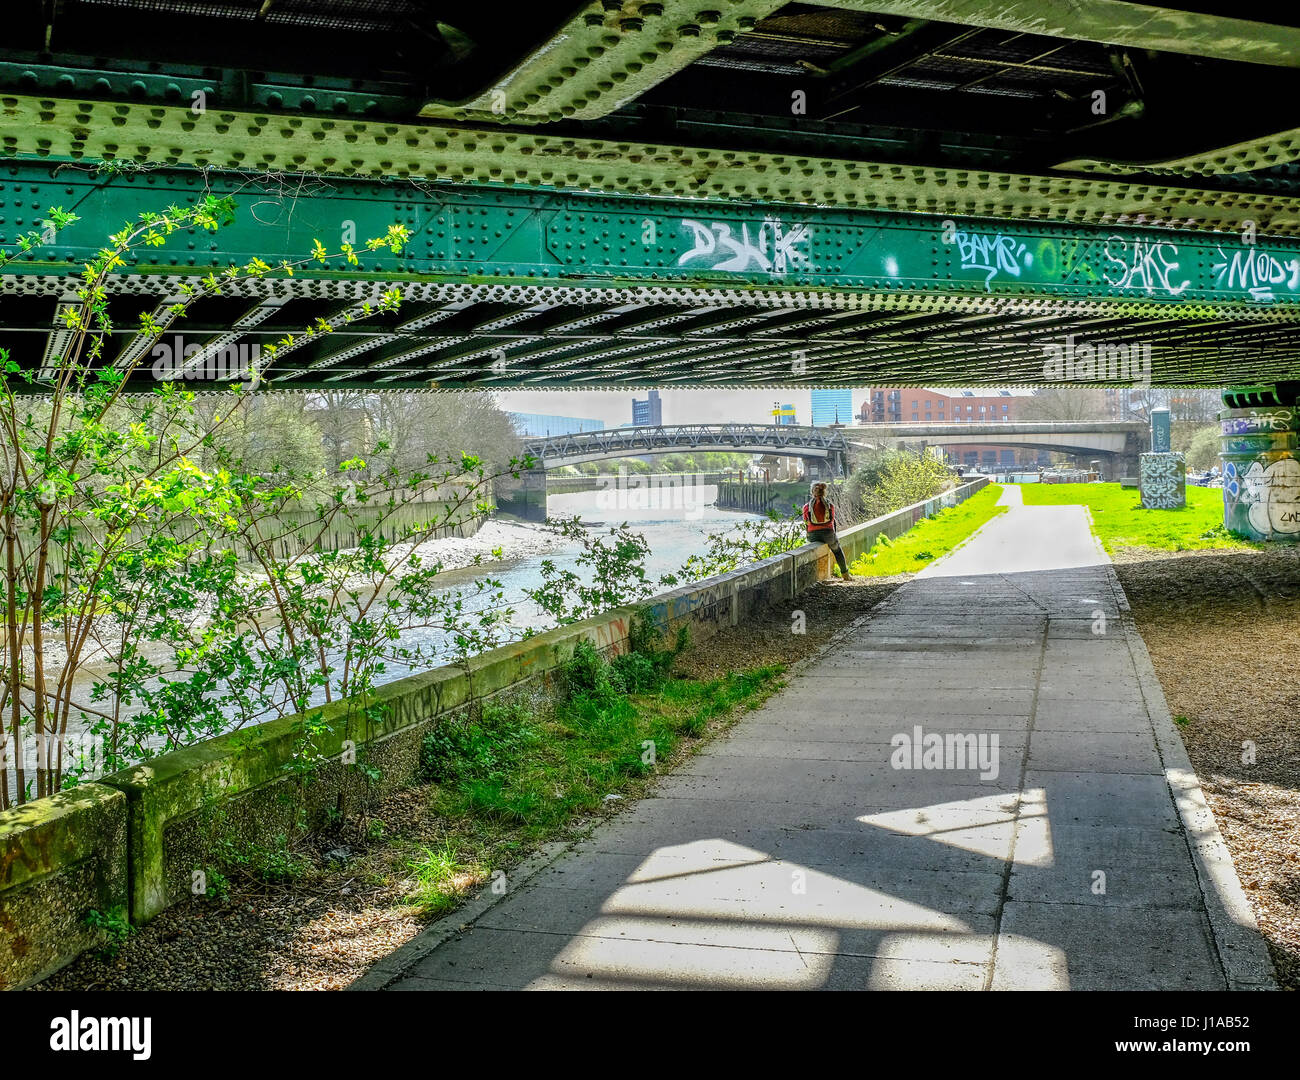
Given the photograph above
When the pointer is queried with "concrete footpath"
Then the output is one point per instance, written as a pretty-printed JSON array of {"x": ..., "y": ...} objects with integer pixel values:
[{"x": 1069, "y": 849}]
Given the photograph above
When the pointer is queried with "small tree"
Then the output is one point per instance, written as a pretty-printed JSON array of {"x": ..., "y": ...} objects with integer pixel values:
[{"x": 137, "y": 542}]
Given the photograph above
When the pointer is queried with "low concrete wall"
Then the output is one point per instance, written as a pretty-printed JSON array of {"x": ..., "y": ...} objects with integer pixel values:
[
  {"x": 60, "y": 858},
  {"x": 137, "y": 837}
]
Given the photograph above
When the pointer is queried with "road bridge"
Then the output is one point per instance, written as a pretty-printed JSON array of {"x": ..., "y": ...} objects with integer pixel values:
[{"x": 1118, "y": 442}]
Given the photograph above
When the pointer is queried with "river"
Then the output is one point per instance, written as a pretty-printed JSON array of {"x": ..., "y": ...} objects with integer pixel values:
[{"x": 676, "y": 524}]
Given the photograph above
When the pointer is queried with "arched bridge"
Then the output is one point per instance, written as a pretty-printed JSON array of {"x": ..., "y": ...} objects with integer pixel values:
[{"x": 786, "y": 440}]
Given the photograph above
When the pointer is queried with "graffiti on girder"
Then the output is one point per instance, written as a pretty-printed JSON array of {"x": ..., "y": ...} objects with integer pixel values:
[
  {"x": 1258, "y": 272},
  {"x": 1151, "y": 266},
  {"x": 774, "y": 247}
]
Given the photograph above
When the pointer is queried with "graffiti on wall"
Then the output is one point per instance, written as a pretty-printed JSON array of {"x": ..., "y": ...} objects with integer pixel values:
[
  {"x": 1260, "y": 421},
  {"x": 991, "y": 254},
  {"x": 1255, "y": 271},
  {"x": 773, "y": 247},
  {"x": 1162, "y": 481},
  {"x": 1264, "y": 496},
  {"x": 1151, "y": 267}
]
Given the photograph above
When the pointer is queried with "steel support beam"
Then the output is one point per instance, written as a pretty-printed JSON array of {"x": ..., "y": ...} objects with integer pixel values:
[{"x": 1112, "y": 22}]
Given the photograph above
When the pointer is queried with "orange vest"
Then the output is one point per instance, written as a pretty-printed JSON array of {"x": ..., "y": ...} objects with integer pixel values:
[{"x": 818, "y": 514}]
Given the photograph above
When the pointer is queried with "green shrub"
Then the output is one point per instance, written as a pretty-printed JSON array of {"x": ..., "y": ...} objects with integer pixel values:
[
  {"x": 113, "y": 925},
  {"x": 586, "y": 673},
  {"x": 477, "y": 751}
]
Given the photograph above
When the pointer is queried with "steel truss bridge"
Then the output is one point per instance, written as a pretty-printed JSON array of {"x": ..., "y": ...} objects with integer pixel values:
[
  {"x": 778, "y": 440},
  {"x": 678, "y": 193}
]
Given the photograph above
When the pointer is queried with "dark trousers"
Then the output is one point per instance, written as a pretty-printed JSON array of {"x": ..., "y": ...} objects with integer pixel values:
[{"x": 828, "y": 537}]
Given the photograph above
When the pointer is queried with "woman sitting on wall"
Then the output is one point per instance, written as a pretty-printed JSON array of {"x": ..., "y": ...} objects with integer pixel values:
[{"x": 819, "y": 521}]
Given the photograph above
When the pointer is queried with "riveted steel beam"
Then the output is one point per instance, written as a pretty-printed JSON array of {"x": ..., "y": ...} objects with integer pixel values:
[
  {"x": 1250, "y": 155},
  {"x": 606, "y": 55},
  {"x": 1113, "y": 22},
  {"x": 471, "y": 235},
  {"x": 92, "y": 133}
]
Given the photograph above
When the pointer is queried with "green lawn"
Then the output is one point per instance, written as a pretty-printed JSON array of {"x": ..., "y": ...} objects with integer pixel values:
[
  {"x": 1120, "y": 522},
  {"x": 927, "y": 540}
]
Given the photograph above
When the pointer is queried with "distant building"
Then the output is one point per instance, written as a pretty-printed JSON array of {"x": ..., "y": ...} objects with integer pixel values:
[
  {"x": 832, "y": 407},
  {"x": 650, "y": 411},
  {"x": 539, "y": 425},
  {"x": 909, "y": 405},
  {"x": 783, "y": 414}
]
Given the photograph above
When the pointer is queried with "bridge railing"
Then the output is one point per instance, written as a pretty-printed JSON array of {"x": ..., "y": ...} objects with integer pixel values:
[{"x": 686, "y": 437}]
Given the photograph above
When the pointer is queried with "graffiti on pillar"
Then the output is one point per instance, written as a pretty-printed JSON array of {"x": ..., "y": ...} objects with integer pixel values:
[
  {"x": 1256, "y": 272},
  {"x": 1151, "y": 266},
  {"x": 773, "y": 247},
  {"x": 1260, "y": 420},
  {"x": 1266, "y": 494},
  {"x": 992, "y": 254},
  {"x": 1162, "y": 481}
]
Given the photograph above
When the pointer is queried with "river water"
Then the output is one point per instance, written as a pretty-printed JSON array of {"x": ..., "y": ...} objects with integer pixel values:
[{"x": 676, "y": 524}]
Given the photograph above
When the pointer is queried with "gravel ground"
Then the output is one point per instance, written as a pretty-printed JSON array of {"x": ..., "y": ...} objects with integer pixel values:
[
  {"x": 1220, "y": 628},
  {"x": 325, "y": 930}
]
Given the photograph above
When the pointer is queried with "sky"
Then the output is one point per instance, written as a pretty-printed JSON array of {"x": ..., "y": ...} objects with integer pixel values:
[{"x": 701, "y": 406}]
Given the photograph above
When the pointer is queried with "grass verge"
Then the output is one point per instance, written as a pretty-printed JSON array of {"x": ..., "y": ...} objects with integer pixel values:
[
  {"x": 521, "y": 773},
  {"x": 927, "y": 540},
  {"x": 1119, "y": 520}
]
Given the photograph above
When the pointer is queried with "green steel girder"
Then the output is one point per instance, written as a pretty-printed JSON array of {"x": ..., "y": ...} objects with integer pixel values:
[
  {"x": 1115, "y": 22},
  {"x": 606, "y": 55},
  {"x": 1247, "y": 156},
  {"x": 472, "y": 234},
  {"x": 610, "y": 53},
  {"x": 96, "y": 131}
]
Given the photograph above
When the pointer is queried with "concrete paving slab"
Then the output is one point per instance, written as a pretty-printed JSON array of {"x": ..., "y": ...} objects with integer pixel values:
[
  {"x": 1044, "y": 946},
  {"x": 792, "y": 855}
]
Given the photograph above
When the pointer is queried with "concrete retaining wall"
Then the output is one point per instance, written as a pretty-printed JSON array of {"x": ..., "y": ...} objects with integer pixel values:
[
  {"x": 135, "y": 839},
  {"x": 60, "y": 858}
]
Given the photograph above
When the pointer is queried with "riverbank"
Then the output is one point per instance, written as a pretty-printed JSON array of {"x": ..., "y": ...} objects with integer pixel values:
[{"x": 353, "y": 895}]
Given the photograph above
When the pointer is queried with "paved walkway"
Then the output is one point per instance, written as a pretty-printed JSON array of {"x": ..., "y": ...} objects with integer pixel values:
[{"x": 791, "y": 854}]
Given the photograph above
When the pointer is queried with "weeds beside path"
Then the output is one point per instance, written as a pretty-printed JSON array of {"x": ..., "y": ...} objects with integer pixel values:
[{"x": 497, "y": 789}]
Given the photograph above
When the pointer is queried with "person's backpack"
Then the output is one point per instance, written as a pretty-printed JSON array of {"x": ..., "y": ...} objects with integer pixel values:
[{"x": 819, "y": 514}]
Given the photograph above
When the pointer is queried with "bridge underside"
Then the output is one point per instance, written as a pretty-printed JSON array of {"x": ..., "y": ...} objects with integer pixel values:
[{"x": 913, "y": 192}]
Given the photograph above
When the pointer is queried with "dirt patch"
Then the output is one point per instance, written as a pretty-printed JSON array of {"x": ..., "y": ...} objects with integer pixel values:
[
  {"x": 770, "y": 639},
  {"x": 1220, "y": 628},
  {"x": 350, "y": 907}
]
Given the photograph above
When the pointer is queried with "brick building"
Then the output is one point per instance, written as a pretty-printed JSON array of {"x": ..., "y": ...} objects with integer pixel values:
[{"x": 913, "y": 405}]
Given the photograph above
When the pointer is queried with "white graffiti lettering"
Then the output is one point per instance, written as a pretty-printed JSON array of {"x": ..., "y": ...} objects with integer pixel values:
[
  {"x": 1143, "y": 264},
  {"x": 1272, "y": 496},
  {"x": 1255, "y": 271},
  {"x": 774, "y": 249},
  {"x": 992, "y": 254}
]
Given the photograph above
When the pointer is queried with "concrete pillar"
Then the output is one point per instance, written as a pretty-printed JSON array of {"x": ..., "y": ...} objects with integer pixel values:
[
  {"x": 1162, "y": 481},
  {"x": 525, "y": 497},
  {"x": 1260, "y": 452}
]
